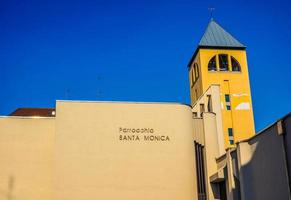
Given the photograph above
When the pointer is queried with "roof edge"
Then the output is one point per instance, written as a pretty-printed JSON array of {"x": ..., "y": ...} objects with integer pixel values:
[
  {"x": 259, "y": 133},
  {"x": 125, "y": 102}
]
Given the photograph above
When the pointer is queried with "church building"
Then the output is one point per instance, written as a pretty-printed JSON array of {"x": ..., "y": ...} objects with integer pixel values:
[{"x": 152, "y": 151}]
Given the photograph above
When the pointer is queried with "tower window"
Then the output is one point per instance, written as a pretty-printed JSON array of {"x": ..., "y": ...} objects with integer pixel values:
[
  {"x": 196, "y": 71},
  {"x": 212, "y": 64},
  {"x": 227, "y": 98},
  {"x": 223, "y": 62},
  {"x": 230, "y": 132},
  {"x": 192, "y": 77},
  {"x": 227, "y": 101},
  {"x": 194, "y": 74},
  {"x": 235, "y": 67},
  {"x": 230, "y": 136}
]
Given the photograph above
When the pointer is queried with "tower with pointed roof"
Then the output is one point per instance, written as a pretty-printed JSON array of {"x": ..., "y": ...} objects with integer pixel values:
[{"x": 220, "y": 59}]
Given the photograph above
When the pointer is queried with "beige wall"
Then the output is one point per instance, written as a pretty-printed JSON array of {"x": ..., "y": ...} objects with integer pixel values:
[
  {"x": 93, "y": 163},
  {"x": 205, "y": 133},
  {"x": 263, "y": 165},
  {"x": 211, "y": 149},
  {"x": 26, "y": 158},
  {"x": 86, "y": 153},
  {"x": 214, "y": 92}
]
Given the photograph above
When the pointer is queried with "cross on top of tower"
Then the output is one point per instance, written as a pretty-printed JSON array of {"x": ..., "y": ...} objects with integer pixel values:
[{"x": 211, "y": 11}]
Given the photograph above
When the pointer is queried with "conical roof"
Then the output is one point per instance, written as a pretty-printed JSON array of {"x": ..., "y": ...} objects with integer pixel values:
[{"x": 216, "y": 36}]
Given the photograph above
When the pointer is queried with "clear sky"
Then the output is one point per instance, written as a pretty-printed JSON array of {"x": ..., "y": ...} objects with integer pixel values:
[{"x": 135, "y": 50}]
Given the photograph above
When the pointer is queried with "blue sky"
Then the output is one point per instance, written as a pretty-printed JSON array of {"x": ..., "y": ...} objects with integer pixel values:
[{"x": 135, "y": 51}]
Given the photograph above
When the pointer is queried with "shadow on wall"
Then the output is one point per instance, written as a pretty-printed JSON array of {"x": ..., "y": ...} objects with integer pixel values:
[
  {"x": 8, "y": 193},
  {"x": 265, "y": 175}
]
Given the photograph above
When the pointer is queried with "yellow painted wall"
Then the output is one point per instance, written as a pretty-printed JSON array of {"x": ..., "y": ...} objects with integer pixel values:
[
  {"x": 241, "y": 121},
  {"x": 26, "y": 158},
  {"x": 196, "y": 89},
  {"x": 93, "y": 163}
]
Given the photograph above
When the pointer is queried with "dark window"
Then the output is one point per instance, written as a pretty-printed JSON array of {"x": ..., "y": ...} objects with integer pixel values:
[
  {"x": 194, "y": 74},
  {"x": 223, "y": 62},
  {"x": 209, "y": 103},
  {"x": 192, "y": 77},
  {"x": 230, "y": 133},
  {"x": 235, "y": 67},
  {"x": 196, "y": 71},
  {"x": 200, "y": 171},
  {"x": 222, "y": 190},
  {"x": 195, "y": 114},
  {"x": 227, "y": 98},
  {"x": 196, "y": 94},
  {"x": 227, "y": 101},
  {"x": 212, "y": 64}
]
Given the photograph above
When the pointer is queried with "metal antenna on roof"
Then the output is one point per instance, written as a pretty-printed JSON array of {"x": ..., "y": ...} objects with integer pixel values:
[
  {"x": 211, "y": 10},
  {"x": 67, "y": 93}
]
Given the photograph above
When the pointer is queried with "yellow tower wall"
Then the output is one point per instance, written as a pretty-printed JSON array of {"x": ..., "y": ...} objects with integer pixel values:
[
  {"x": 196, "y": 89},
  {"x": 240, "y": 117}
]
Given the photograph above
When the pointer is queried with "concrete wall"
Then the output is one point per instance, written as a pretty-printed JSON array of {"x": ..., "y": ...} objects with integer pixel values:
[
  {"x": 263, "y": 172},
  {"x": 198, "y": 131},
  {"x": 26, "y": 158},
  {"x": 205, "y": 133},
  {"x": 214, "y": 92},
  {"x": 211, "y": 149},
  {"x": 91, "y": 151},
  {"x": 287, "y": 143},
  {"x": 92, "y": 162}
]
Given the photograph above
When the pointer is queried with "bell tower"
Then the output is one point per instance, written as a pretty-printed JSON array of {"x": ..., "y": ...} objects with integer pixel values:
[{"x": 220, "y": 59}]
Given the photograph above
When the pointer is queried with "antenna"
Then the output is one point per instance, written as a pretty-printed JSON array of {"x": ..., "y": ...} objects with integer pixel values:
[
  {"x": 67, "y": 93},
  {"x": 99, "y": 94},
  {"x": 211, "y": 10}
]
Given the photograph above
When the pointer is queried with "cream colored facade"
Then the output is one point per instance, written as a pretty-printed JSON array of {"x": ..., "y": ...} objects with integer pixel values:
[
  {"x": 26, "y": 158},
  {"x": 212, "y": 105},
  {"x": 89, "y": 150},
  {"x": 99, "y": 150}
]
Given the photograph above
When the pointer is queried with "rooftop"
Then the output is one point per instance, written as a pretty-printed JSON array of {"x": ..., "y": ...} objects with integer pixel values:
[
  {"x": 34, "y": 112},
  {"x": 216, "y": 36}
]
